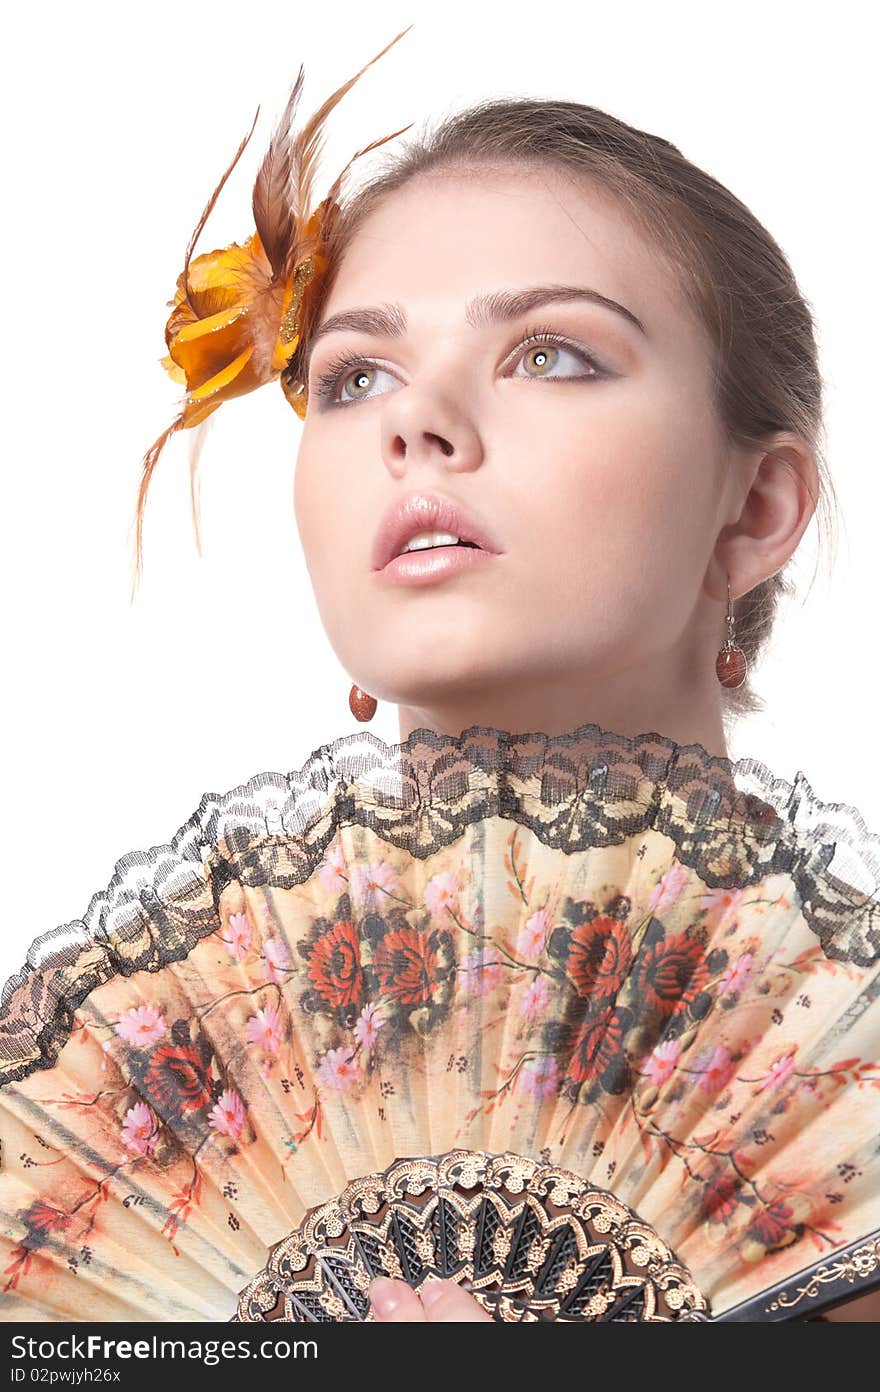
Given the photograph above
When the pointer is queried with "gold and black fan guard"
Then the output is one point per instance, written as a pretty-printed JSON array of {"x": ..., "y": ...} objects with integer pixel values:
[{"x": 532, "y": 1242}]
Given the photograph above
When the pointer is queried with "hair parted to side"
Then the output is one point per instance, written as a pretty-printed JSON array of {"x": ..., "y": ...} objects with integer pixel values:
[{"x": 729, "y": 268}]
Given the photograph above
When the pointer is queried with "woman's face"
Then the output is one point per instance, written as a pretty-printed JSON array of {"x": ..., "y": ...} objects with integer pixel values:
[{"x": 597, "y": 465}]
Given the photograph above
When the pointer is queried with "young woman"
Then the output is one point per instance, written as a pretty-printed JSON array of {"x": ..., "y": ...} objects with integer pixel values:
[
  {"x": 579, "y": 375},
  {"x": 558, "y": 325}
]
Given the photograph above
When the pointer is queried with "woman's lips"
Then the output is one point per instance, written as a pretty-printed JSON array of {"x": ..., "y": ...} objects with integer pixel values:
[
  {"x": 428, "y": 566},
  {"x": 424, "y": 512}
]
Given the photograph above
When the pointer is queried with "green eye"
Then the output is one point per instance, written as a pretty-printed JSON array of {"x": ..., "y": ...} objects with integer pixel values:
[
  {"x": 543, "y": 350},
  {"x": 357, "y": 378},
  {"x": 351, "y": 378},
  {"x": 543, "y": 358}
]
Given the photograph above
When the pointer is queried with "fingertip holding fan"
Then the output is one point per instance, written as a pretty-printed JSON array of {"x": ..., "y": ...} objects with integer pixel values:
[{"x": 618, "y": 983}]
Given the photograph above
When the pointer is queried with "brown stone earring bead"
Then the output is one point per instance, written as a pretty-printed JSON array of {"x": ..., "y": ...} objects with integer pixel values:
[
  {"x": 730, "y": 666},
  {"x": 731, "y": 663},
  {"x": 361, "y": 705}
]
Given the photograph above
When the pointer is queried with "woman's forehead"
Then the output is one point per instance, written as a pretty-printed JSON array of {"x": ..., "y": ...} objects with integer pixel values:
[
  {"x": 532, "y": 217},
  {"x": 440, "y": 241}
]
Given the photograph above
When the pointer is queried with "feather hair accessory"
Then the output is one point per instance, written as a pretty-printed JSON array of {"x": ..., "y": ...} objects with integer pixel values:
[{"x": 239, "y": 313}]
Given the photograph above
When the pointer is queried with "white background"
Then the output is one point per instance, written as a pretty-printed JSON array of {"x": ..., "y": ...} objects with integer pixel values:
[{"x": 117, "y": 124}]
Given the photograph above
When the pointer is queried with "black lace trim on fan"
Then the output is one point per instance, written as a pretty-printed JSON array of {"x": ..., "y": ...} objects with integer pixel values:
[{"x": 732, "y": 822}]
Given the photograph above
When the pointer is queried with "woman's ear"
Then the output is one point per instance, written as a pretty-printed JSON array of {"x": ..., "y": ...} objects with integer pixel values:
[{"x": 775, "y": 505}]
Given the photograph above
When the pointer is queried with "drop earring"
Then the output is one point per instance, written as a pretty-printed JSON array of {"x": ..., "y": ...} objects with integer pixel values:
[
  {"x": 361, "y": 705},
  {"x": 731, "y": 664}
]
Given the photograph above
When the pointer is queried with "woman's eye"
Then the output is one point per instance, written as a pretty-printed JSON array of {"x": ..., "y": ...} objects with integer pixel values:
[
  {"x": 355, "y": 385},
  {"x": 541, "y": 360}
]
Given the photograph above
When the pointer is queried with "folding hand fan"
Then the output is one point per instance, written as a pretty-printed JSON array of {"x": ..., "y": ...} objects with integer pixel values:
[{"x": 585, "y": 1022}]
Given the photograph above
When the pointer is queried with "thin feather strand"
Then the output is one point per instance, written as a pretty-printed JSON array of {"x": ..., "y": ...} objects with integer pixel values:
[{"x": 273, "y": 213}]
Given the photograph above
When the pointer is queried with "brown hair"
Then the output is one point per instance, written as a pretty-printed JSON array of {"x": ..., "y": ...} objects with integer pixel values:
[{"x": 733, "y": 274}]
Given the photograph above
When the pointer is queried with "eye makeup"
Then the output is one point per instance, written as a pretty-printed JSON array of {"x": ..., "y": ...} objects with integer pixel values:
[{"x": 328, "y": 381}]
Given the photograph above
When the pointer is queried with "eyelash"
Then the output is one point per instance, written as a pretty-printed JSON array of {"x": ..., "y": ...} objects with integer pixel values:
[{"x": 329, "y": 379}]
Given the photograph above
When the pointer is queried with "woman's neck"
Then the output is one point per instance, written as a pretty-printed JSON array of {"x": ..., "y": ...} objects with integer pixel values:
[{"x": 631, "y": 708}]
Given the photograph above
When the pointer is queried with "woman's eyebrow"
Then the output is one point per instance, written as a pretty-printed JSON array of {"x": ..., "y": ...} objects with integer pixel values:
[{"x": 496, "y": 307}]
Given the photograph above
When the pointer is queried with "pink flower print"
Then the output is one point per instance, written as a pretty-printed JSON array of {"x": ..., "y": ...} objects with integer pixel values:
[
  {"x": 264, "y": 1030},
  {"x": 369, "y": 1022},
  {"x": 535, "y": 999},
  {"x": 540, "y": 1076},
  {"x": 482, "y": 970},
  {"x": 227, "y": 1114},
  {"x": 721, "y": 905},
  {"x": 373, "y": 881},
  {"x": 737, "y": 974},
  {"x": 141, "y": 1026},
  {"x": 779, "y": 1072},
  {"x": 239, "y": 935},
  {"x": 441, "y": 893},
  {"x": 668, "y": 888},
  {"x": 276, "y": 959},
  {"x": 660, "y": 1064},
  {"x": 331, "y": 871},
  {"x": 339, "y": 1069},
  {"x": 140, "y": 1129},
  {"x": 716, "y": 1067},
  {"x": 533, "y": 936}
]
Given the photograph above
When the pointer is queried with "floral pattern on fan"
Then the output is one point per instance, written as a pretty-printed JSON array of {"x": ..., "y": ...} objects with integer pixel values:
[{"x": 603, "y": 1010}]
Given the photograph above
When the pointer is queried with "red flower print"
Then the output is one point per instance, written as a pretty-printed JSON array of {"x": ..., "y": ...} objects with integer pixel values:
[
  {"x": 406, "y": 966},
  {"x": 178, "y": 1080},
  {"x": 721, "y": 1198},
  {"x": 599, "y": 957},
  {"x": 41, "y": 1219},
  {"x": 335, "y": 965},
  {"x": 773, "y": 1226},
  {"x": 598, "y": 1044},
  {"x": 673, "y": 973}
]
